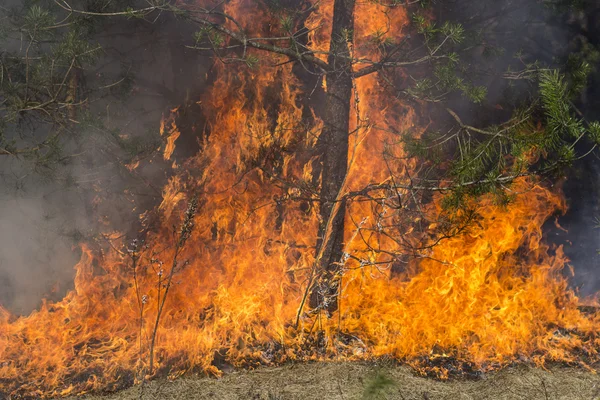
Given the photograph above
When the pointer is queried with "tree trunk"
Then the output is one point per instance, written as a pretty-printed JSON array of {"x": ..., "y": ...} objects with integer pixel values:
[{"x": 335, "y": 158}]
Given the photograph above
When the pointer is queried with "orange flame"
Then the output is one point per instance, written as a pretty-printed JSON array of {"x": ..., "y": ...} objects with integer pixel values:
[{"x": 488, "y": 296}]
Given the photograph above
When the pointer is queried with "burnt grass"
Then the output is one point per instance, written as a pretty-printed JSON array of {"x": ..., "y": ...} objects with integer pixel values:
[
  {"x": 439, "y": 370},
  {"x": 376, "y": 379}
]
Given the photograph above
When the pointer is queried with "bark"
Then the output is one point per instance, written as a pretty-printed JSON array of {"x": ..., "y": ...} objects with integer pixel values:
[
  {"x": 335, "y": 157},
  {"x": 72, "y": 88}
]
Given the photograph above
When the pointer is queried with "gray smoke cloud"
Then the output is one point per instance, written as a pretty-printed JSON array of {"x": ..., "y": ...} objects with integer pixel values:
[
  {"x": 519, "y": 32},
  {"x": 34, "y": 250},
  {"x": 45, "y": 214}
]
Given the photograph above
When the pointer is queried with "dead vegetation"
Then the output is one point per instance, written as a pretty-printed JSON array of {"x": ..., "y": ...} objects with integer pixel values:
[{"x": 354, "y": 381}]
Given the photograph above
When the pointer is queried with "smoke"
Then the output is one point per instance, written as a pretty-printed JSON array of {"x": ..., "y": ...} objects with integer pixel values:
[
  {"x": 46, "y": 212},
  {"x": 581, "y": 234},
  {"x": 35, "y": 229},
  {"x": 518, "y": 33}
]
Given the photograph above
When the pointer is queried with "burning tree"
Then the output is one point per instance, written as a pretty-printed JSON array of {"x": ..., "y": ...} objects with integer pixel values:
[
  {"x": 335, "y": 220},
  {"x": 338, "y": 63}
]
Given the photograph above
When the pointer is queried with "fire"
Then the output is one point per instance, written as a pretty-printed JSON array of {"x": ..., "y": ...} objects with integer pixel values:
[{"x": 486, "y": 296}]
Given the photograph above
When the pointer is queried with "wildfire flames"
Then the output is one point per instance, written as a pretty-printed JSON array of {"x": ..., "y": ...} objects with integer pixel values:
[{"x": 485, "y": 297}]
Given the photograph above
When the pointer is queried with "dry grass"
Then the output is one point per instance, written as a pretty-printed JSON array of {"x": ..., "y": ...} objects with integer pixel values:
[{"x": 348, "y": 381}]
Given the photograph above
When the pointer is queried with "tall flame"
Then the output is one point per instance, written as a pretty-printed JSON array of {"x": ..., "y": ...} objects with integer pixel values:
[{"x": 490, "y": 295}]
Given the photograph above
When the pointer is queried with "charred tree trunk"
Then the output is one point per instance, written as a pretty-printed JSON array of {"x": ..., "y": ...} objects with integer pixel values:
[{"x": 334, "y": 139}]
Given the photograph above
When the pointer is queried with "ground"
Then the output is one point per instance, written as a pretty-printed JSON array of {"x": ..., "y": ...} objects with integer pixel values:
[{"x": 348, "y": 381}]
